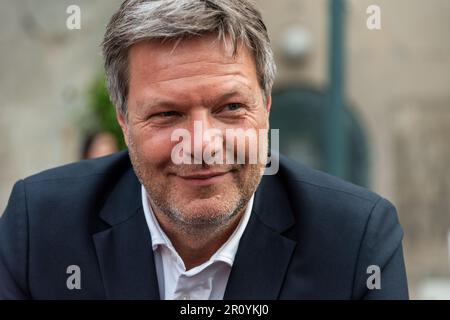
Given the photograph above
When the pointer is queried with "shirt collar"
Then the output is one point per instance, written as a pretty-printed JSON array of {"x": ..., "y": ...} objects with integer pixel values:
[
  {"x": 226, "y": 252},
  {"x": 157, "y": 234}
]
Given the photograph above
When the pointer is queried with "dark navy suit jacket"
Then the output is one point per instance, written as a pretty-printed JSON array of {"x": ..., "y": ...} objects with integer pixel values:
[{"x": 310, "y": 236}]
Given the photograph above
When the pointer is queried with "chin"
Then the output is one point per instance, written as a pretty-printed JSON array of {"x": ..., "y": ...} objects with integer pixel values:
[
  {"x": 213, "y": 204},
  {"x": 207, "y": 209}
]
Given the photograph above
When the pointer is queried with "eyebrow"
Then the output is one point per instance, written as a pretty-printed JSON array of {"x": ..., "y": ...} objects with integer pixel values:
[{"x": 226, "y": 96}]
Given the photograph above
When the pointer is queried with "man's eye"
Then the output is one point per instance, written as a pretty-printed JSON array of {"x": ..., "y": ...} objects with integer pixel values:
[
  {"x": 166, "y": 114},
  {"x": 233, "y": 106}
]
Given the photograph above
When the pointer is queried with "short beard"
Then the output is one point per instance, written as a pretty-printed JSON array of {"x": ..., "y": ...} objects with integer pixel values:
[{"x": 200, "y": 225}]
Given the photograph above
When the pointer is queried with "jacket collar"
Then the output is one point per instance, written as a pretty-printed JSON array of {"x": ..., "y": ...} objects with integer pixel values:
[
  {"x": 264, "y": 253},
  {"x": 124, "y": 249}
]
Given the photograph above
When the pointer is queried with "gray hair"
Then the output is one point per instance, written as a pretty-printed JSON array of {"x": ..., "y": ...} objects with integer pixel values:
[{"x": 139, "y": 20}]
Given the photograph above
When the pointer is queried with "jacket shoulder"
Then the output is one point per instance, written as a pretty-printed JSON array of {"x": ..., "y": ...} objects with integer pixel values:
[
  {"x": 302, "y": 177},
  {"x": 83, "y": 169},
  {"x": 76, "y": 192},
  {"x": 341, "y": 229},
  {"x": 319, "y": 200}
]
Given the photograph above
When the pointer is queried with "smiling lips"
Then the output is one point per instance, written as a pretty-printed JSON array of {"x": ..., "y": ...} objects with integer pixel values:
[{"x": 203, "y": 178}]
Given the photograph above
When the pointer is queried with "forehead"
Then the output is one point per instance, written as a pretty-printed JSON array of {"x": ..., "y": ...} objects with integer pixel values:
[{"x": 196, "y": 59}]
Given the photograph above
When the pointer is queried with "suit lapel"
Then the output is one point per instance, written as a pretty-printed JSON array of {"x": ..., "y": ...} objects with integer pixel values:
[
  {"x": 264, "y": 254},
  {"x": 124, "y": 249}
]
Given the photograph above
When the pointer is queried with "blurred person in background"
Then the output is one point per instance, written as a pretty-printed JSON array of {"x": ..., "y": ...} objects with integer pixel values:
[{"x": 98, "y": 144}]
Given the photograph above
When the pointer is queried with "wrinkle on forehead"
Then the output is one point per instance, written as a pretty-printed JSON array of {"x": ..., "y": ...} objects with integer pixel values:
[{"x": 195, "y": 71}]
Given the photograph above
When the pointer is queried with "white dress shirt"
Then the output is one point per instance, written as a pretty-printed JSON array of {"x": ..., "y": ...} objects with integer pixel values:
[{"x": 204, "y": 282}]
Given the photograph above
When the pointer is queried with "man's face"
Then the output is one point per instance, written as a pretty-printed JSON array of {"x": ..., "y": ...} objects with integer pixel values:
[{"x": 198, "y": 82}]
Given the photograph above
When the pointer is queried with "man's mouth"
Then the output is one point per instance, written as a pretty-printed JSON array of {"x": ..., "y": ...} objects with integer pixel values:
[{"x": 204, "y": 178}]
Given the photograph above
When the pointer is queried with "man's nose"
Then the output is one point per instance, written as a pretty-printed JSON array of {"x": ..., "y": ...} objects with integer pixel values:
[{"x": 206, "y": 137}]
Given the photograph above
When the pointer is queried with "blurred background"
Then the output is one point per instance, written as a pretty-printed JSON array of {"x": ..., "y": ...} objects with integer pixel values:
[{"x": 364, "y": 101}]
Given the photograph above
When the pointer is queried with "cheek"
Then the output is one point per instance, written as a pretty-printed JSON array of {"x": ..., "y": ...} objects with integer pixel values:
[
  {"x": 263, "y": 119},
  {"x": 153, "y": 146}
]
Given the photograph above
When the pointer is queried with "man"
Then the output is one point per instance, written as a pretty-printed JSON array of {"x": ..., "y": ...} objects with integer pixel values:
[{"x": 143, "y": 225}]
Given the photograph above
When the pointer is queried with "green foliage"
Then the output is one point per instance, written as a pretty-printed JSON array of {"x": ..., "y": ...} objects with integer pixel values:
[{"x": 102, "y": 113}]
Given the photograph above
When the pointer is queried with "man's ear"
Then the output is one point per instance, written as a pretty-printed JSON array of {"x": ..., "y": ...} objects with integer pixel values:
[
  {"x": 268, "y": 104},
  {"x": 123, "y": 124}
]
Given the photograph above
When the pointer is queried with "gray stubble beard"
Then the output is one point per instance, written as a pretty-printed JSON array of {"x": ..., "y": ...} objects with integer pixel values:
[{"x": 197, "y": 227}]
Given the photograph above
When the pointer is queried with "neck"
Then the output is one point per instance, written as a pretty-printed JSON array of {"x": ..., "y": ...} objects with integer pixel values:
[{"x": 197, "y": 248}]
